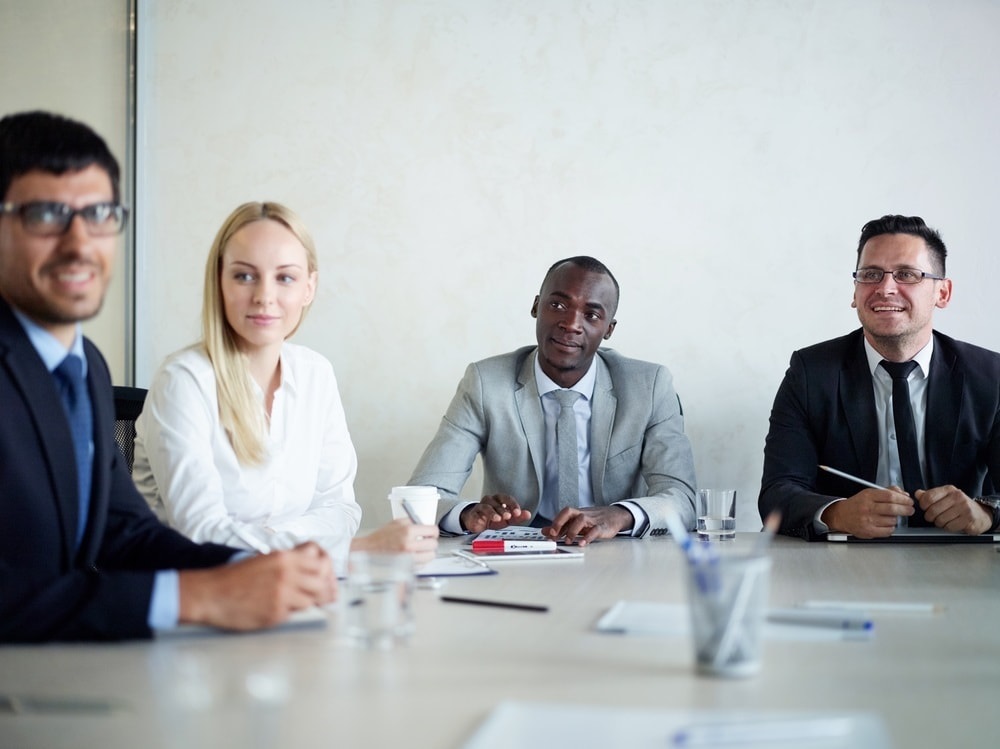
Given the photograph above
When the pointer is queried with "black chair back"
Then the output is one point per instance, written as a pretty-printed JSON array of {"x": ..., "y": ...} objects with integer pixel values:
[{"x": 128, "y": 406}]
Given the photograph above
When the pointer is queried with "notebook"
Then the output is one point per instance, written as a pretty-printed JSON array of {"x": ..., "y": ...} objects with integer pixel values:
[{"x": 931, "y": 535}]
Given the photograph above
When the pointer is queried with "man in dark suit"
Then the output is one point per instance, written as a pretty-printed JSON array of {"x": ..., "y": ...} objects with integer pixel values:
[
  {"x": 81, "y": 555},
  {"x": 840, "y": 406}
]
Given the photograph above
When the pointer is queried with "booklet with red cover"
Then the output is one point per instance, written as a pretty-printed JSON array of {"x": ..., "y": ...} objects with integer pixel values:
[{"x": 514, "y": 538}]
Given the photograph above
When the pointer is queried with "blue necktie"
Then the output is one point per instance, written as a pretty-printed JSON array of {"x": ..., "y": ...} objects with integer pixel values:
[{"x": 76, "y": 402}]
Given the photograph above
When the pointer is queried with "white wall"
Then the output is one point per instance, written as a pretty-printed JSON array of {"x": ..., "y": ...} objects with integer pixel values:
[
  {"x": 71, "y": 58},
  {"x": 720, "y": 157}
]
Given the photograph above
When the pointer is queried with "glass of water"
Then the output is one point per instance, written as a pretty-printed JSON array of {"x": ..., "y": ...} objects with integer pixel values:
[
  {"x": 717, "y": 513},
  {"x": 379, "y": 599}
]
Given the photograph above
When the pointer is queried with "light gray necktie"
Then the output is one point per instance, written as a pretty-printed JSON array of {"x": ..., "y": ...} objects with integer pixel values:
[{"x": 566, "y": 450}]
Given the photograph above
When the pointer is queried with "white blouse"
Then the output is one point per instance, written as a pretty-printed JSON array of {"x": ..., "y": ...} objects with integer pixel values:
[{"x": 187, "y": 470}]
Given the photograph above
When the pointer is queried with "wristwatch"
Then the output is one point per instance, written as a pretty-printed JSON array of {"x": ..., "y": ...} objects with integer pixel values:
[{"x": 992, "y": 505}]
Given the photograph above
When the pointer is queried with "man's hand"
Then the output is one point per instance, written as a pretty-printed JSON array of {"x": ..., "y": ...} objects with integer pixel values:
[
  {"x": 401, "y": 536},
  {"x": 583, "y": 525},
  {"x": 870, "y": 513},
  {"x": 258, "y": 592},
  {"x": 493, "y": 512},
  {"x": 952, "y": 509}
]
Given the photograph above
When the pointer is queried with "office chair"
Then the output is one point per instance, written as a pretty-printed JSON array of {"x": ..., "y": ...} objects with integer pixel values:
[{"x": 128, "y": 406}]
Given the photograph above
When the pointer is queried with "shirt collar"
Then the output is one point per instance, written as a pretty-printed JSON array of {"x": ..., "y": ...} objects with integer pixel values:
[
  {"x": 287, "y": 383},
  {"x": 584, "y": 386},
  {"x": 922, "y": 357},
  {"x": 49, "y": 348}
]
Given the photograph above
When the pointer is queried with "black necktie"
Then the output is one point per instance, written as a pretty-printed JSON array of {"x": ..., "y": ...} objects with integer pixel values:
[
  {"x": 906, "y": 432},
  {"x": 76, "y": 401}
]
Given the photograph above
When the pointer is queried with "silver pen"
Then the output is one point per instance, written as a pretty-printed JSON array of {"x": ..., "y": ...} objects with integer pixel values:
[
  {"x": 410, "y": 512},
  {"x": 849, "y": 477},
  {"x": 901, "y": 520},
  {"x": 830, "y": 618}
]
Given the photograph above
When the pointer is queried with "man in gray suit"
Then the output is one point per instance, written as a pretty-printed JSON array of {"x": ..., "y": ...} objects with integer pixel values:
[{"x": 634, "y": 461}]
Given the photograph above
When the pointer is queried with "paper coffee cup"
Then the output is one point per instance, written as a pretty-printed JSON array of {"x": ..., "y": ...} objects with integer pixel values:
[{"x": 423, "y": 500}]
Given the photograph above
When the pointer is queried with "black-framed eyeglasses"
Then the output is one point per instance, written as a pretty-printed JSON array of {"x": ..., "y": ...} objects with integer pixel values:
[
  {"x": 49, "y": 219},
  {"x": 900, "y": 275}
]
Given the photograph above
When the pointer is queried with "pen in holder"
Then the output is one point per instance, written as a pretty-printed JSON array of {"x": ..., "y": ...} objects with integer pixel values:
[{"x": 727, "y": 597}]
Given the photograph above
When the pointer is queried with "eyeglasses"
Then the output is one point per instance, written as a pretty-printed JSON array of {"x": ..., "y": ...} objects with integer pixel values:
[
  {"x": 900, "y": 275},
  {"x": 48, "y": 219}
]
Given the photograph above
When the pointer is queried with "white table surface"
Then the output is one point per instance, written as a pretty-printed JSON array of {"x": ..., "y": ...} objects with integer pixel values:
[{"x": 933, "y": 679}]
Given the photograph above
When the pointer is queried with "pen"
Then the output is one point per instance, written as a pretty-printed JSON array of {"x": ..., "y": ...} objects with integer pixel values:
[
  {"x": 410, "y": 512},
  {"x": 20, "y": 704},
  {"x": 771, "y": 525},
  {"x": 761, "y": 731},
  {"x": 677, "y": 530},
  {"x": 498, "y": 604},
  {"x": 470, "y": 558},
  {"x": 848, "y": 476},
  {"x": 818, "y": 618},
  {"x": 875, "y": 607}
]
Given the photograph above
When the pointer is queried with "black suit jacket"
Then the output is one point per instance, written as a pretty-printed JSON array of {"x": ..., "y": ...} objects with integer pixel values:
[
  {"x": 48, "y": 591},
  {"x": 824, "y": 413}
]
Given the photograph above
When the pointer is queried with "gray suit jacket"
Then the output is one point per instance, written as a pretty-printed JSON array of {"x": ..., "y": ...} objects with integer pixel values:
[{"x": 638, "y": 448}]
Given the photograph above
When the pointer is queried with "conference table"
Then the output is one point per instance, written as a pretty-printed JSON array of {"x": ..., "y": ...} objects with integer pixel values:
[{"x": 932, "y": 679}]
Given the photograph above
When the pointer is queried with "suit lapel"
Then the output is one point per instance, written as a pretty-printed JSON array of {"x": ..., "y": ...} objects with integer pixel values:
[
  {"x": 857, "y": 398},
  {"x": 602, "y": 418},
  {"x": 944, "y": 404},
  {"x": 529, "y": 411},
  {"x": 48, "y": 421}
]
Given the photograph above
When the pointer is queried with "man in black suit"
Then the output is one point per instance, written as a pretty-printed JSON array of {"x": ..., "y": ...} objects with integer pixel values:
[
  {"x": 81, "y": 555},
  {"x": 835, "y": 407}
]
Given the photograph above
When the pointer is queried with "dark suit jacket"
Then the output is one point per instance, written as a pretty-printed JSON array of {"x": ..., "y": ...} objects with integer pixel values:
[
  {"x": 824, "y": 413},
  {"x": 48, "y": 591}
]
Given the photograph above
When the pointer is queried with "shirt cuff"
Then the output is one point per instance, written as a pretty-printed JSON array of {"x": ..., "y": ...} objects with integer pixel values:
[
  {"x": 452, "y": 520},
  {"x": 640, "y": 521},
  {"x": 165, "y": 602},
  {"x": 818, "y": 525}
]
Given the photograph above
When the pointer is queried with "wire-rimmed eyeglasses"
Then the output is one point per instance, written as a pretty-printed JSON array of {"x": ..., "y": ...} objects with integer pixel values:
[{"x": 900, "y": 275}]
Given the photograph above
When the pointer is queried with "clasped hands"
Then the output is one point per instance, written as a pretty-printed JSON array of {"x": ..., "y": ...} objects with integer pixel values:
[
  {"x": 872, "y": 513},
  {"x": 262, "y": 591},
  {"x": 575, "y": 525}
]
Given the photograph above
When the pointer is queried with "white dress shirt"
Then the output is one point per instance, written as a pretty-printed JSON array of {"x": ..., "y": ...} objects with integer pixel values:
[
  {"x": 187, "y": 470},
  {"x": 888, "y": 472}
]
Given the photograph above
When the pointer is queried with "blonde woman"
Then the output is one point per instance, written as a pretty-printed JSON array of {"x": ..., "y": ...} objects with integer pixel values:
[{"x": 243, "y": 439}]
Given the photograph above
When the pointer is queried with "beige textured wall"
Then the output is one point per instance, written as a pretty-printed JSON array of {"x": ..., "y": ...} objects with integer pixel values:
[
  {"x": 720, "y": 156},
  {"x": 71, "y": 57}
]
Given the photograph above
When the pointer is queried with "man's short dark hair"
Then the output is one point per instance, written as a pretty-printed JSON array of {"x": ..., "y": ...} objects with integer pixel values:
[
  {"x": 51, "y": 143},
  {"x": 913, "y": 225},
  {"x": 589, "y": 264}
]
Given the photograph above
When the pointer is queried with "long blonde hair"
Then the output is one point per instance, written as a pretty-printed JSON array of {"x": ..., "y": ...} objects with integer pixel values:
[{"x": 241, "y": 413}]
